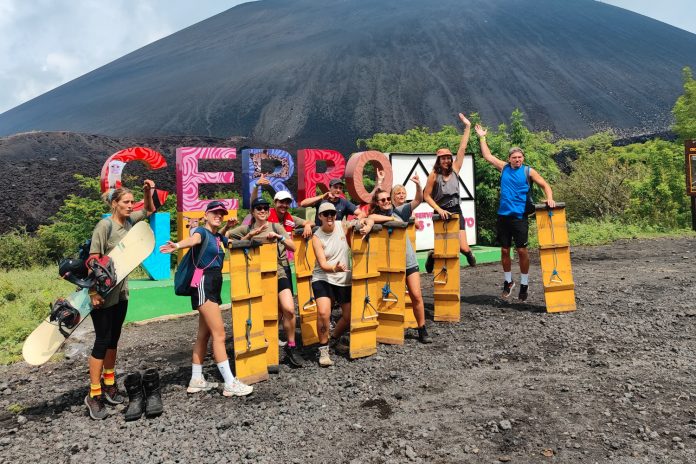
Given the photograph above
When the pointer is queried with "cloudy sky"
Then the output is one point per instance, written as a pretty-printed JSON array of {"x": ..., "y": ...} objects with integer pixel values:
[{"x": 45, "y": 43}]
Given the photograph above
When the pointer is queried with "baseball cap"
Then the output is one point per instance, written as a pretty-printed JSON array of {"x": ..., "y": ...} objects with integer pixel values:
[
  {"x": 326, "y": 206},
  {"x": 333, "y": 182},
  {"x": 443, "y": 152},
  {"x": 259, "y": 202},
  {"x": 282, "y": 195},
  {"x": 216, "y": 205}
]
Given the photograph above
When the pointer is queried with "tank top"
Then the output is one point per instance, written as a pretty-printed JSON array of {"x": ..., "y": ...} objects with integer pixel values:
[
  {"x": 446, "y": 192},
  {"x": 513, "y": 191},
  {"x": 336, "y": 251}
]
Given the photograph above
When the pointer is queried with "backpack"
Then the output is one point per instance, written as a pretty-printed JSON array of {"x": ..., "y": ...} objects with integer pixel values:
[
  {"x": 183, "y": 277},
  {"x": 529, "y": 208}
]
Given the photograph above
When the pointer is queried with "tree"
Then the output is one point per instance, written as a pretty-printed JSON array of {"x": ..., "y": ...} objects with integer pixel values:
[{"x": 684, "y": 110}]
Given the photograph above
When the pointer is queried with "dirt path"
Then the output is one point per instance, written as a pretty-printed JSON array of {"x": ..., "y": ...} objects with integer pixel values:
[{"x": 613, "y": 382}]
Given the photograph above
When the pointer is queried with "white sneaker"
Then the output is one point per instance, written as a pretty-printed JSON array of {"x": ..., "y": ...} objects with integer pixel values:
[
  {"x": 237, "y": 388},
  {"x": 199, "y": 385},
  {"x": 324, "y": 358}
]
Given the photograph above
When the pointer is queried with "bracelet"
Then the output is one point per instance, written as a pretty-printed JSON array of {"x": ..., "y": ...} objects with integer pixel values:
[
  {"x": 483, "y": 137},
  {"x": 177, "y": 245},
  {"x": 91, "y": 292}
]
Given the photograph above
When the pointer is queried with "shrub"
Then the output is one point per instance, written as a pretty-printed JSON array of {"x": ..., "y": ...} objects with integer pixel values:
[{"x": 19, "y": 250}]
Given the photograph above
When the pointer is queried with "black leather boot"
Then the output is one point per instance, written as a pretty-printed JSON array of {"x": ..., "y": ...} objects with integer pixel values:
[
  {"x": 153, "y": 397},
  {"x": 136, "y": 397}
]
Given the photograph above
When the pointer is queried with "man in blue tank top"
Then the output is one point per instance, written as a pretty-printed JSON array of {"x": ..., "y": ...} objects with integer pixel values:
[{"x": 512, "y": 222}]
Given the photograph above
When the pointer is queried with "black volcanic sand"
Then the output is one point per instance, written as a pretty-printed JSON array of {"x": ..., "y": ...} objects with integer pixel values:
[{"x": 612, "y": 382}]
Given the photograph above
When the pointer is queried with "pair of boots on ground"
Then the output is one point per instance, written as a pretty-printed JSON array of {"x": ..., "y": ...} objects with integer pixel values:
[{"x": 143, "y": 394}]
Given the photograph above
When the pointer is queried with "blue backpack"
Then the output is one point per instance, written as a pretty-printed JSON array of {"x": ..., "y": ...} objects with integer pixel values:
[{"x": 184, "y": 272}]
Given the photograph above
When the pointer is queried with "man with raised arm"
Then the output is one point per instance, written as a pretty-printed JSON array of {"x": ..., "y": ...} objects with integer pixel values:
[{"x": 512, "y": 221}]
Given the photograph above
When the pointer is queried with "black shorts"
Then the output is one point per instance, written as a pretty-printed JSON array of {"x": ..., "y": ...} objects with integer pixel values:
[
  {"x": 338, "y": 294},
  {"x": 458, "y": 210},
  {"x": 510, "y": 228},
  {"x": 208, "y": 289},
  {"x": 411, "y": 270},
  {"x": 285, "y": 282}
]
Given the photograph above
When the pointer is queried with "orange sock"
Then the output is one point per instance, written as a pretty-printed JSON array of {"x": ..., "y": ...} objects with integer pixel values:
[
  {"x": 94, "y": 390},
  {"x": 108, "y": 376}
]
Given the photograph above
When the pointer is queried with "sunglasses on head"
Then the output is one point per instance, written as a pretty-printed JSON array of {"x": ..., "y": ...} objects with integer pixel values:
[
  {"x": 329, "y": 213},
  {"x": 262, "y": 208},
  {"x": 384, "y": 200}
]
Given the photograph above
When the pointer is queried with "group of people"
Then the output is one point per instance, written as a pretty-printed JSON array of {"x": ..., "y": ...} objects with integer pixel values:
[{"x": 331, "y": 277}]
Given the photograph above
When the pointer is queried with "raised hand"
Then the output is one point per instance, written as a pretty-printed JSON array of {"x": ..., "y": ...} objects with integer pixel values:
[
  {"x": 263, "y": 180},
  {"x": 416, "y": 180},
  {"x": 380, "y": 175},
  {"x": 464, "y": 120},
  {"x": 480, "y": 131},
  {"x": 148, "y": 184}
]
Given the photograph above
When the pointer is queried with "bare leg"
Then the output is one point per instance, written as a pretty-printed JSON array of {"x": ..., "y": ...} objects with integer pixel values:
[
  {"x": 95, "y": 370},
  {"x": 505, "y": 259},
  {"x": 200, "y": 348},
  {"x": 344, "y": 322},
  {"x": 210, "y": 312},
  {"x": 463, "y": 242},
  {"x": 323, "y": 319},
  {"x": 523, "y": 255},
  {"x": 286, "y": 306},
  {"x": 413, "y": 282}
]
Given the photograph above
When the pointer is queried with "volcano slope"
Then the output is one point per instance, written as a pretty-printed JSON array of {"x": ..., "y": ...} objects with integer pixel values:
[{"x": 612, "y": 382}]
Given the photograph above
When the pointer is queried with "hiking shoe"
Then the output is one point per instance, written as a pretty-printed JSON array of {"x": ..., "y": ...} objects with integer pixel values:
[
  {"x": 324, "y": 358},
  {"x": 470, "y": 258},
  {"x": 237, "y": 388},
  {"x": 96, "y": 408},
  {"x": 112, "y": 395},
  {"x": 338, "y": 346},
  {"x": 199, "y": 385},
  {"x": 293, "y": 356},
  {"x": 523, "y": 292},
  {"x": 430, "y": 263},
  {"x": 423, "y": 336},
  {"x": 282, "y": 343},
  {"x": 507, "y": 288}
]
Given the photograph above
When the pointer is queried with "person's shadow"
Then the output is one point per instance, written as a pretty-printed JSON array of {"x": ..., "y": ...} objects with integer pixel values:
[{"x": 499, "y": 303}]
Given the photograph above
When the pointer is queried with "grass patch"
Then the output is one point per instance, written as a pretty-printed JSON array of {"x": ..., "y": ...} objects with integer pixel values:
[
  {"x": 601, "y": 232},
  {"x": 25, "y": 296},
  {"x": 15, "y": 408}
]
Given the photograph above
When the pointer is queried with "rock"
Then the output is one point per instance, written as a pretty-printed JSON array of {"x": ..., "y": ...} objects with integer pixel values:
[
  {"x": 21, "y": 420},
  {"x": 505, "y": 424},
  {"x": 7, "y": 391},
  {"x": 676, "y": 439},
  {"x": 504, "y": 459},
  {"x": 410, "y": 453}
]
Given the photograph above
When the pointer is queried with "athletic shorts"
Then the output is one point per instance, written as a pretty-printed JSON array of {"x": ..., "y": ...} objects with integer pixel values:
[
  {"x": 458, "y": 210},
  {"x": 285, "y": 282},
  {"x": 338, "y": 294},
  {"x": 208, "y": 289},
  {"x": 510, "y": 228},
  {"x": 411, "y": 270}
]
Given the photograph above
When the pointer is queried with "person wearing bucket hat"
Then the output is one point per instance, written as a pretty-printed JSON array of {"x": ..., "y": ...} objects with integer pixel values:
[
  {"x": 263, "y": 230},
  {"x": 331, "y": 277},
  {"x": 206, "y": 299},
  {"x": 441, "y": 190},
  {"x": 110, "y": 312},
  {"x": 515, "y": 188}
]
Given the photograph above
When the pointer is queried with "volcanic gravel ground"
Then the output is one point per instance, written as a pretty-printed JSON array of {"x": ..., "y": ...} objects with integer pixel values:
[{"x": 612, "y": 382}]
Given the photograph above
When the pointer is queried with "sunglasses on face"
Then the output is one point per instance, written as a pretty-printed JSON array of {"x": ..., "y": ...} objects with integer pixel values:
[
  {"x": 384, "y": 200},
  {"x": 284, "y": 202},
  {"x": 329, "y": 213},
  {"x": 262, "y": 208}
]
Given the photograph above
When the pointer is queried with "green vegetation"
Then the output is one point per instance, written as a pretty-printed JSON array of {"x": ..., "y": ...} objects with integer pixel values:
[
  {"x": 684, "y": 109},
  {"x": 25, "y": 295}
]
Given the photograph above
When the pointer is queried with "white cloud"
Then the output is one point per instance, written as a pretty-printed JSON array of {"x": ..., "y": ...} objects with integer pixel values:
[{"x": 45, "y": 43}]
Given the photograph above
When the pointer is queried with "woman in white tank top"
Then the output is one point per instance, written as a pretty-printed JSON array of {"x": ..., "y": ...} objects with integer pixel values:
[{"x": 331, "y": 278}]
